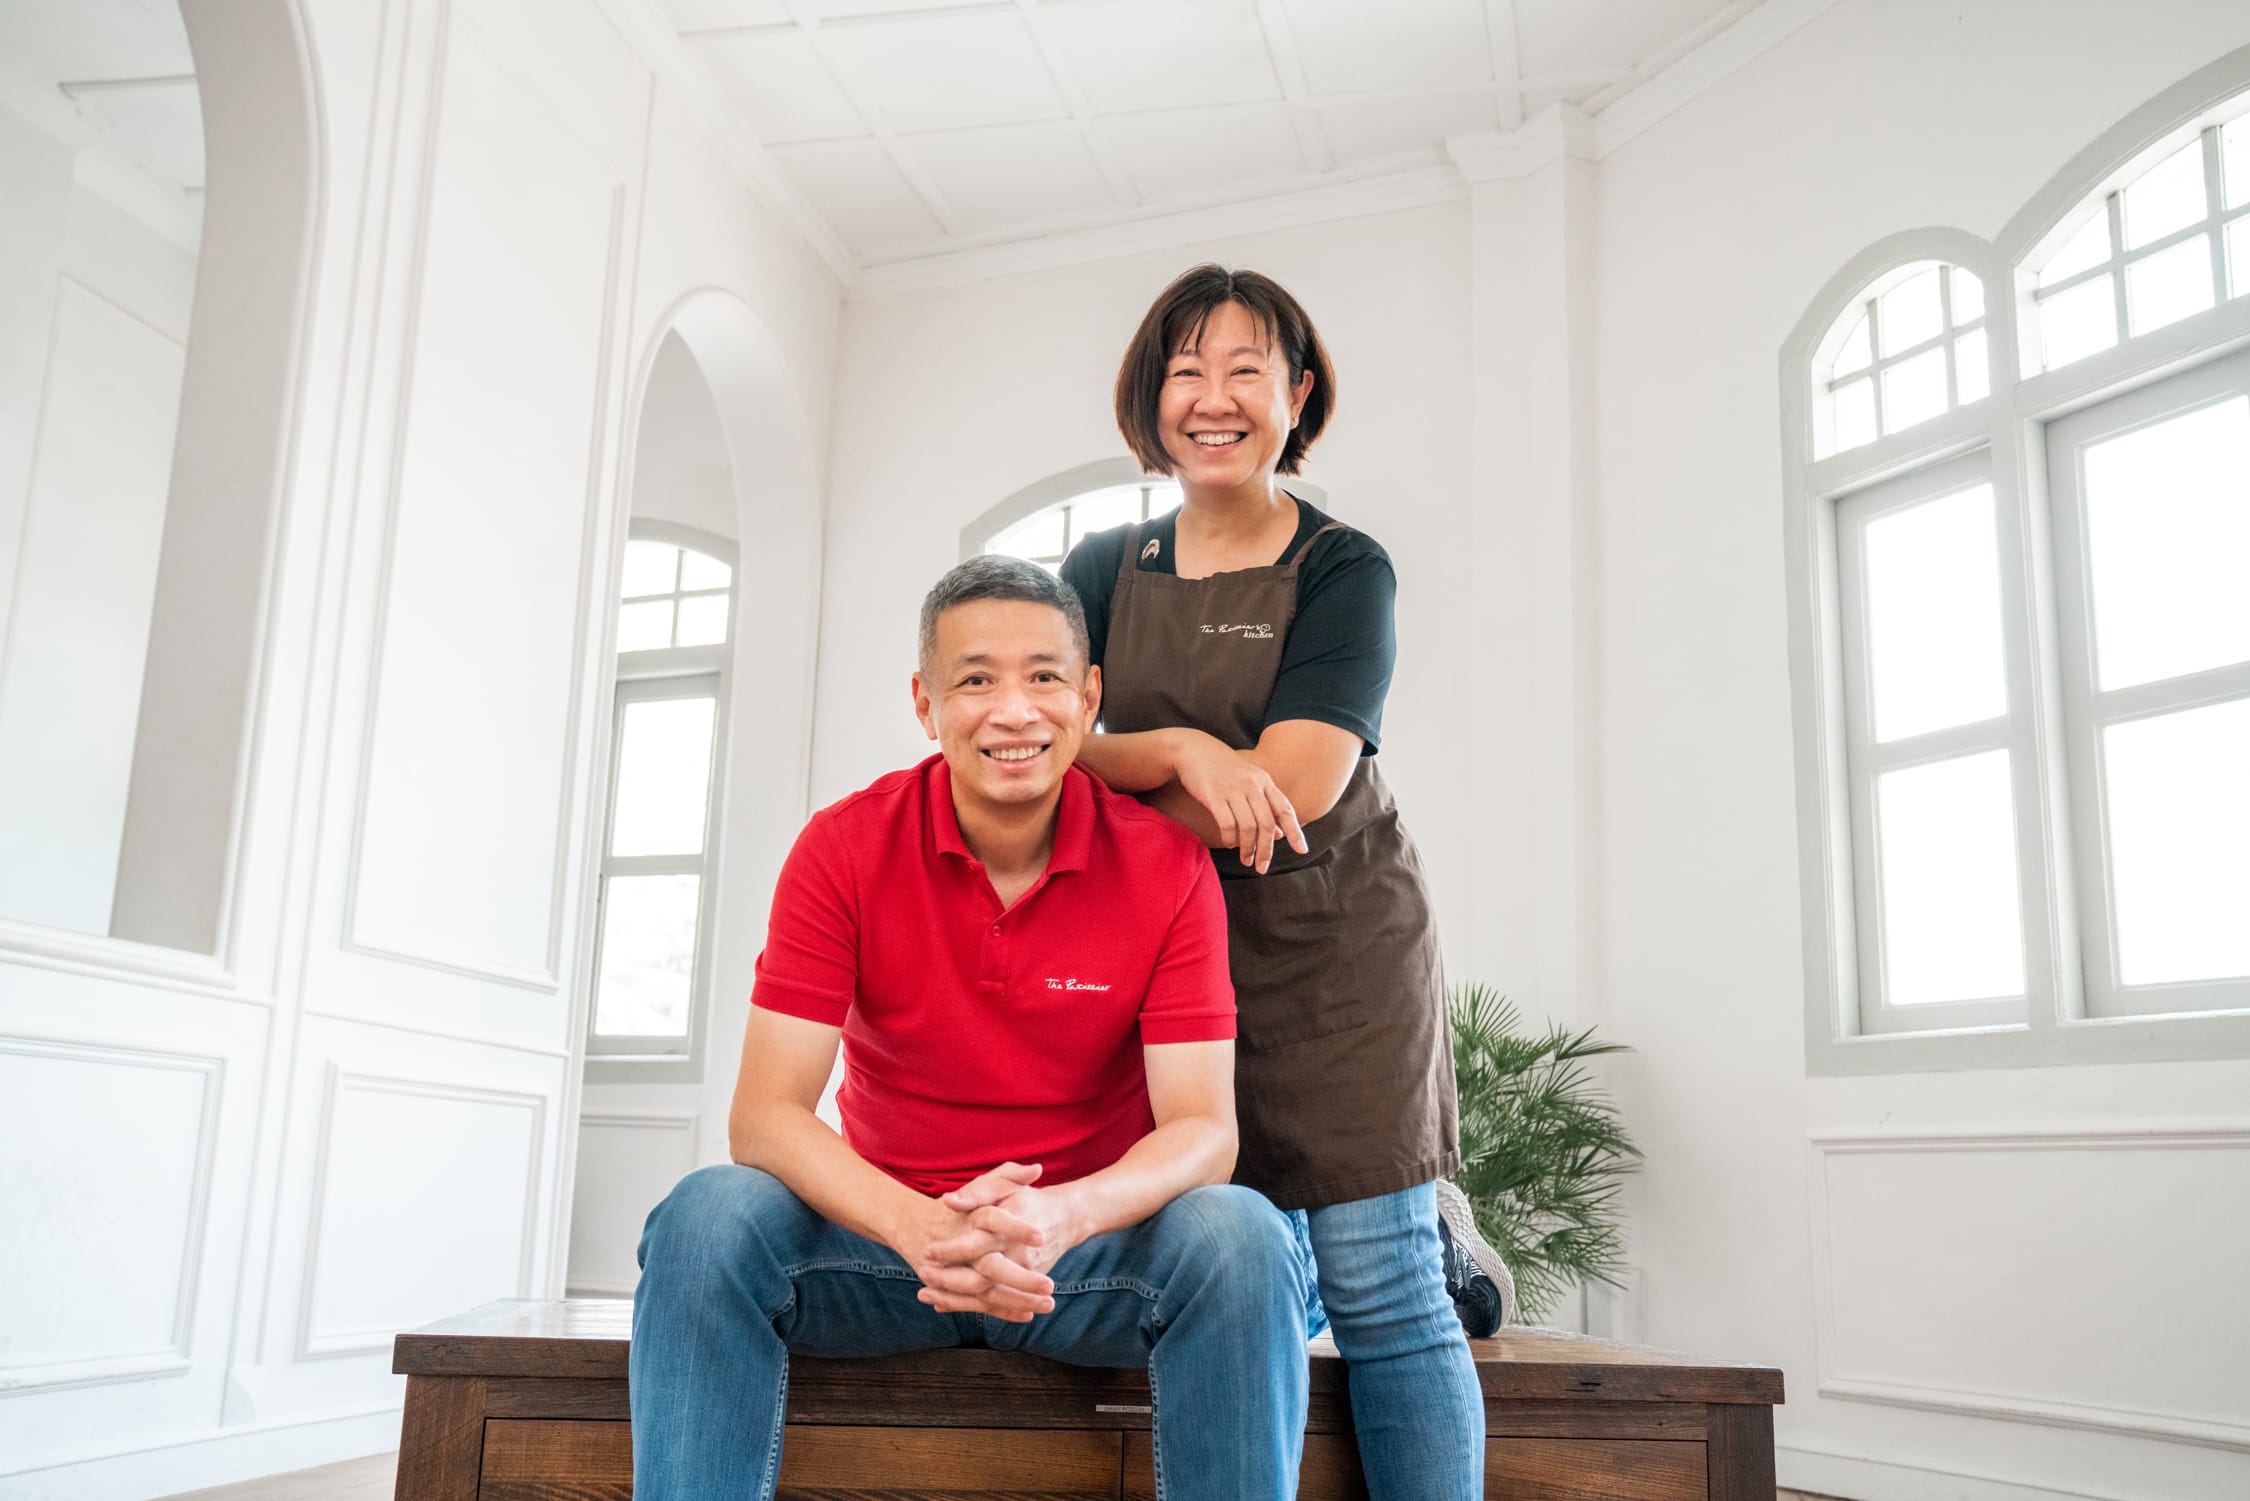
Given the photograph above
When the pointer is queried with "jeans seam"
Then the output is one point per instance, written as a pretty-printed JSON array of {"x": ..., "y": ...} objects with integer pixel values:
[
  {"x": 867, "y": 1268},
  {"x": 1155, "y": 1434},
  {"x": 1109, "y": 1285},
  {"x": 772, "y": 1479}
]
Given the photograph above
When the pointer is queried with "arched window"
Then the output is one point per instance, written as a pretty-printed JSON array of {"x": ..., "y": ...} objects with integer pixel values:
[
  {"x": 1046, "y": 536},
  {"x": 1911, "y": 347},
  {"x": 2020, "y": 638},
  {"x": 652, "y": 934},
  {"x": 2168, "y": 239}
]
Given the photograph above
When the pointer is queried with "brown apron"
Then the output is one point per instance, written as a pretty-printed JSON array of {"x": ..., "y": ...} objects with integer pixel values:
[{"x": 1344, "y": 1064}]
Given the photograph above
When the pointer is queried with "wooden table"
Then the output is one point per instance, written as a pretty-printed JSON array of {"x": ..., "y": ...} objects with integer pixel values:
[{"x": 522, "y": 1400}]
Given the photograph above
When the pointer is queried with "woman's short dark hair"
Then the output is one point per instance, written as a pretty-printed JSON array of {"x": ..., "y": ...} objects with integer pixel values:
[{"x": 1175, "y": 322}]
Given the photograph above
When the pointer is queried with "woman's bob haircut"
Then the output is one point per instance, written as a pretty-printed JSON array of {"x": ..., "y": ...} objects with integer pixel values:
[{"x": 1174, "y": 322}]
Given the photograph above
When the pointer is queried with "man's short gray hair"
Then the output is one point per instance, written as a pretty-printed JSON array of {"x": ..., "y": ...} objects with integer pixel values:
[{"x": 993, "y": 576}]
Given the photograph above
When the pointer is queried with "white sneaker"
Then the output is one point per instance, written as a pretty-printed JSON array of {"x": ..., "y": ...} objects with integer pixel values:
[{"x": 1465, "y": 1245}]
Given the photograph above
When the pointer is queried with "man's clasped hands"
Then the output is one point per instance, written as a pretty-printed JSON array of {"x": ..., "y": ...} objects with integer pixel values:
[{"x": 987, "y": 1246}]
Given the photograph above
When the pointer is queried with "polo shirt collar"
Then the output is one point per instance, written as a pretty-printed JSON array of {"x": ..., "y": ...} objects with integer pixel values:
[{"x": 1074, "y": 816}]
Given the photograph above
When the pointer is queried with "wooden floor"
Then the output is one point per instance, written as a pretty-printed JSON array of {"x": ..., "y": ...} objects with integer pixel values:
[{"x": 371, "y": 1479}]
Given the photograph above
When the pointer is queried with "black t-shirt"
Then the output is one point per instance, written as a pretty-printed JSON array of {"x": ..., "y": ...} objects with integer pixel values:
[{"x": 1336, "y": 662}]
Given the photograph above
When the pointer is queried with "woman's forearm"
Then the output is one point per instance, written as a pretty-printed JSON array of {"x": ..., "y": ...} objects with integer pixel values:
[{"x": 1140, "y": 762}]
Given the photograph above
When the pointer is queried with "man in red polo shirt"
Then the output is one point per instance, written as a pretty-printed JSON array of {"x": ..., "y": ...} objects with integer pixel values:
[{"x": 1027, "y": 976}]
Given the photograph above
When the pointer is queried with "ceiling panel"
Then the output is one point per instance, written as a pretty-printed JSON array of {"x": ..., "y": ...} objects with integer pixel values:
[
  {"x": 860, "y": 193},
  {"x": 948, "y": 72},
  {"x": 1163, "y": 54},
  {"x": 68, "y": 41},
  {"x": 1570, "y": 36},
  {"x": 776, "y": 81},
  {"x": 716, "y": 15},
  {"x": 1352, "y": 46},
  {"x": 991, "y": 178},
  {"x": 1385, "y": 129},
  {"x": 158, "y": 129},
  {"x": 1177, "y": 156}
]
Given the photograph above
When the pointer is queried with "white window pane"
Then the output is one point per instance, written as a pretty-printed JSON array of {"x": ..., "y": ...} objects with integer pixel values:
[
  {"x": 648, "y": 956},
  {"x": 2179, "y": 826},
  {"x": 1910, "y": 312},
  {"x": 1972, "y": 367},
  {"x": 2168, "y": 532},
  {"x": 1854, "y": 407},
  {"x": 699, "y": 570},
  {"x": 2081, "y": 252},
  {"x": 703, "y": 620},
  {"x": 1968, "y": 297},
  {"x": 2238, "y": 255},
  {"x": 2166, "y": 197},
  {"x": 645, "y": 626},
  {"x": 1164, "y": 495},
  {"x": 2234, "y": 152},
  {"x": 2169, "y": 285},
  {"x": 1933, "y": 616},
  {"x": 1854, "y": 353},
  {"x": 1039, "y": 536},
  {"x": 1104, "y": 509},
  {"x": 2079, "y": 322},
  {"x": 1914, "y": 391},
  {"x": 663, "y": 772},
  {"x": 650, "y": 568},
  {"x": 1952, "y": 928}
]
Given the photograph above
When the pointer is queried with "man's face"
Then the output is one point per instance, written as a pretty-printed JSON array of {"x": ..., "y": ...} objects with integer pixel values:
[{"x": 1007, "y": 698}]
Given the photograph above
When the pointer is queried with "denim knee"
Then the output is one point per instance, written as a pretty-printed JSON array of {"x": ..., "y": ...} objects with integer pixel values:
[
  {"x": 714, "y": 1217},
  {"x": 1242, "y": 1232}
]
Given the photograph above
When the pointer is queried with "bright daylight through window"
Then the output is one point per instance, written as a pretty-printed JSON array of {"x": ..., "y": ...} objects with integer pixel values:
[
  {"x": 672, "y": 630},
  {"x": 2030, "y": 717}
]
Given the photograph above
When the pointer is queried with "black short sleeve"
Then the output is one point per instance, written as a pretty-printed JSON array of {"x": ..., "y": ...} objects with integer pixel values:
[
  {"x": 1336, "y": 665},
  {"x": 1091, "y": 570}
]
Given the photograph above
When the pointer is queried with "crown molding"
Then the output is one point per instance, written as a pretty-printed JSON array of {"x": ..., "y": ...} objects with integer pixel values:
[
  {"x": 1689, "y": 76},
  {"x": 1388, "y": 192},
  {"x": 1557, "y": 131},
  {"x": 651, "y": 35}
]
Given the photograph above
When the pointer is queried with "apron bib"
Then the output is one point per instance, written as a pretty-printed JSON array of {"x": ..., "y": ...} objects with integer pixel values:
[{"x": 1343, "y": 1058}]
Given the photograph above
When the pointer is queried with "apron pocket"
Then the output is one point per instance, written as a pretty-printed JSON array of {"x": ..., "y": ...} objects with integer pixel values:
[{"x": 1294, "y": 978}]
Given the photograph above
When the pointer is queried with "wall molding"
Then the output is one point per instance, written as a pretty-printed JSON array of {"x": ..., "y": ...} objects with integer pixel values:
[
  {"x": 1827, "y": 1473},
  {"x": 358, "y": 936},
  {"x": 174, "y": 1358},
  {"x": 314, "y": 1344},
  {"x": 682, "y": 1121},
  {"x": 2202, "y": 1429}
]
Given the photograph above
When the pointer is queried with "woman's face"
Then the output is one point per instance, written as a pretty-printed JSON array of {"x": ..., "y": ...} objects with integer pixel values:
[{"x": 1228, "y": 404}]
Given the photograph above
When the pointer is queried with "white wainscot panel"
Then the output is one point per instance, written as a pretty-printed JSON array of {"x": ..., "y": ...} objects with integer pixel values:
[
  {"x": 104, "y": 1188},
  {"x": 424, "y": 1206},
  {"x": 461, "y": 838},
  {"x": 2091, "y": 1281},
  {"x": 627, "y": 1162}
]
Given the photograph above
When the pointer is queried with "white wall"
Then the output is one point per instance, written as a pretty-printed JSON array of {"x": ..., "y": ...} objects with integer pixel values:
[
  {"x": 681, "y": 472},
  {"x": 209, "y": 1255},
  {"x": 88, "y": 523},
  {"x": 1980, "y": 1273},
  {"x": 947, "y": 403}
]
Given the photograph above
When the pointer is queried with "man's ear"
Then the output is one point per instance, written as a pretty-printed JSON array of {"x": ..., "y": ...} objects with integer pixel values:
[
  {"x": 1093, "y": 696},
  {"x": 922, "y": 705}
]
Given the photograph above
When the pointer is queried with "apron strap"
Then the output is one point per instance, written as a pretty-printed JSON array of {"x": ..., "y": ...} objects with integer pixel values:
[
  {"x": 1131, "y": 560},
  {"x": 1299, "y": 555}
]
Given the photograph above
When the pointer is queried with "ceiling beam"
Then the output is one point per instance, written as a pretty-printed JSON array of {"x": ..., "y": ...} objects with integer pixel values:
[
  {"x": 807, "y": 16},
  {"x": 1081, "y": 108},
  {"x": 1507, "y": 65},
  {"x": 1289, "y": 68}
]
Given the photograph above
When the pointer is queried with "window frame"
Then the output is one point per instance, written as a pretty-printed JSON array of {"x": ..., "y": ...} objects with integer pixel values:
[
  {"x": 2010, "y": 428},
  {"x": 1070, "y": 485},
  {"x": 648, "y": 675}
]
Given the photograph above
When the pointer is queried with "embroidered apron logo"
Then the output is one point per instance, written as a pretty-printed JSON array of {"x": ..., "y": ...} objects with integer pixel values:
[
  {"x": 1263, "y": 631},
  {"x": 1073, "y": 984},
  {"x": 1154, "y": 547}
]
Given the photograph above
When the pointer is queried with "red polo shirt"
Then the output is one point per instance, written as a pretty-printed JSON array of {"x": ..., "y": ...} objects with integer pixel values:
[{"x": 975, "y": 1036}]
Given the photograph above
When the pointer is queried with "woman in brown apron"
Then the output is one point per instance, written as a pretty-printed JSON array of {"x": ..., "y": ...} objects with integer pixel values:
[{"x": 1245, "y": 646}]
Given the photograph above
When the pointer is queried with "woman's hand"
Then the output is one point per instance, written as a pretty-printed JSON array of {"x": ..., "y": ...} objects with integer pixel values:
[{"x": 1249, "y": 809}]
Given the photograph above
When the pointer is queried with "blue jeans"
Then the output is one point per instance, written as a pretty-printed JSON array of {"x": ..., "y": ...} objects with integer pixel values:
[
  {"x": 1209, "y": 1293},
  {"x": 1416, "y": 1407}
]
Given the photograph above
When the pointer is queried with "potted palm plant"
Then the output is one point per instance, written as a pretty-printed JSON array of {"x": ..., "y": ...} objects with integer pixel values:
[{"x": 1543, "y": 1152}]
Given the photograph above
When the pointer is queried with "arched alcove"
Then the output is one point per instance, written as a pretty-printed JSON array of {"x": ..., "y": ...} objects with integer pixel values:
[{"x": 146, "y": 554}]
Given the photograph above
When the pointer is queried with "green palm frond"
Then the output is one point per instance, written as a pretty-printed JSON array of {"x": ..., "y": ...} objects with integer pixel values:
[{"x": 1543, "y": 1151}]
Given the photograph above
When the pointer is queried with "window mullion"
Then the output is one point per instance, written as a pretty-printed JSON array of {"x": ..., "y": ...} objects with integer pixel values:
[
  {"x": 2114, "y": 206},
  {"x": 2214, "y": 214}
]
